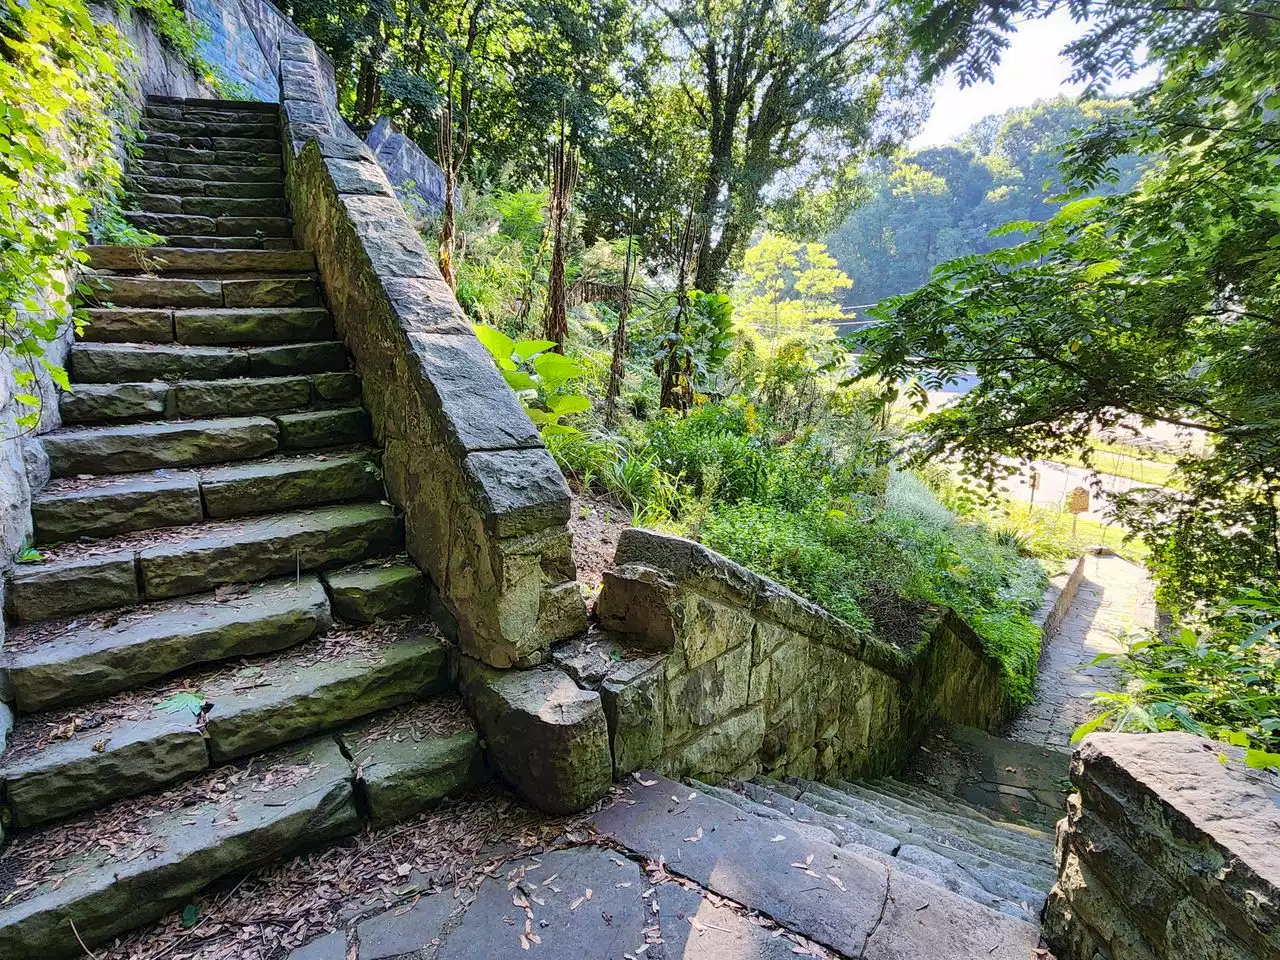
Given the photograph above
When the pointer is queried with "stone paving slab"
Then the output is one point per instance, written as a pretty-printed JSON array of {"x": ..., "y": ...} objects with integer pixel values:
[{"x": 839, "y": 899}]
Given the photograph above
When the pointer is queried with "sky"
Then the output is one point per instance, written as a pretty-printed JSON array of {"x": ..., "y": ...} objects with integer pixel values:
[{"x": 1030, "y": 70}]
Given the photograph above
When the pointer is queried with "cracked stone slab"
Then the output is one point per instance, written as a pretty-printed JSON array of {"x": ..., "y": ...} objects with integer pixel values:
[{"x": 837, "y": 898}]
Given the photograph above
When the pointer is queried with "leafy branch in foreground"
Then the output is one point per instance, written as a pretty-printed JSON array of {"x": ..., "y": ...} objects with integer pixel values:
[
  {"x": 1159, "y": 305},
  {"x": 1216, "y": 675}
]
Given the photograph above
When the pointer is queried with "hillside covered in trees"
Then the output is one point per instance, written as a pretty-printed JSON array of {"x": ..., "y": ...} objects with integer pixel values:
[{"x": 932, "y": 205}]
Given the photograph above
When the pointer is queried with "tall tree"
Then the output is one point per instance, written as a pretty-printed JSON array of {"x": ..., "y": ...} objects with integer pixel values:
[
  {"x": 1160, "y": 303},
  {"x": 794, "y": 90},
  {"x": 564, "y": 180}
]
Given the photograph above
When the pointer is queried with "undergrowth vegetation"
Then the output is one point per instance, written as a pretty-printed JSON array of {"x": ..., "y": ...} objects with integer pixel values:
[{"x": 777, "y": 462}]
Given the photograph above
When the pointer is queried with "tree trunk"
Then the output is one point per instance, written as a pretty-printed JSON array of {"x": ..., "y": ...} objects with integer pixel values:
[
  {"x": 564, "y": 178},
  {"x": 618, "y": 366}
]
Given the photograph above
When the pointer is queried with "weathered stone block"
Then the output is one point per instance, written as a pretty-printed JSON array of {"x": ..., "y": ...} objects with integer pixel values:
[
  {"x": 97, "y": 403},
  {"x": 261, "y": 487},
  {"x": 546, "y": 737},
  {"x": 323, "y": 428},
  {"x": 129, "y": 325},
  {"x": 212, "y": 398},
  {"x": 776, "y": 677},
  {"x": 634, "y": 700},
  {"x": 51, "y": 590},
  {"x": 706, "y": 693},
  {"x": 522, "y": 491},
  {"x": 719, "y": 751},
  {"x": 118, "y": 508},
  {"x": 401, "y": 776},
  {"x": 148, "y": 446},
  {"x": 378, "y": 593}
]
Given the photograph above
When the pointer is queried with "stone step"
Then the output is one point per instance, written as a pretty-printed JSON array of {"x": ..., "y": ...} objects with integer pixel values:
[
  {"x": 246, "y": 326},
  {"x": 59, "y": 664},
  {"x": 410, "y": 758},
  {"x": 313, "y": 429},
  {"x": 1023, "y": 860},
  {"x": 144, "y": 741},
  {"x": 183, "y": 225},
  {"x": 370, "y": 594},
  {"x": 209, "y": 206},
  {"x": 989, "y": 835},
  {"x": 117, "y": 292},
  {"x": 221, "y": 172},
  {"x": 749, "y": 807},
  {"x": 261, "y": 127},
  {"x": 854, "y": 905},
  {"x": 170, "y": 259},
  {"x": 177, "y": 186},
  {"x": 1016, "y": 882},
  {"x": 1038, "y": 836},
  {"x": 208, "y": 140},
  {"x": 62, "y": 886},
  {"x": 238, "y": 551},
  {"x": 113, "y": 402},
  {"x": 258, "y": 157},
  {"x": 849, "y": 831},
  {"x": 198, "y": 558},
  {"x": 200, "y": 114},
  {"x": 218, "y": 325},
  {"x": 68, "y": 510},
  {"x": 199, "y": 242},
  {"x": 218, "y": 107},
  {"x": 117, "y": 363},
  {"x": 134, "y": 447}
]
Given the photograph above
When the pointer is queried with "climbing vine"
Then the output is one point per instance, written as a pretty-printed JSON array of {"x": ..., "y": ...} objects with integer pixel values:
[{"x": 64, "y": 113}]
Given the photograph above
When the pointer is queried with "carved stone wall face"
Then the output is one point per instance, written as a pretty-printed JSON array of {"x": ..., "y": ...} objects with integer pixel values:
[
  {"x": 1170, "y": 849},
  {"x": 745, "y": 676}
]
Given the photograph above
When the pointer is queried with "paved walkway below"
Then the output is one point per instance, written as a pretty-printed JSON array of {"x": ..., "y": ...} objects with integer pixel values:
[{"x": 1114, "y": 598}]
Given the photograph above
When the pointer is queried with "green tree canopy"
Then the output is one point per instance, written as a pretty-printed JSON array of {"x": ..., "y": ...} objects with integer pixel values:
[{"x": 1160, "y": 302}]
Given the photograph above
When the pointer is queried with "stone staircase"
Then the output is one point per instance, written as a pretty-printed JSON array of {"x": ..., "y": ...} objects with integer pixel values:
[
  {"x": 1002, "y": 866},
  {"x": 222, "y": 656}
]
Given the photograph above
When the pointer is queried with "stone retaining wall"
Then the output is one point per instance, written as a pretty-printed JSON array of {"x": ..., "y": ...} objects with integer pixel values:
[
  {"x": 485, "y": 505},
  {"x": 737, "y": 674},
  {"x": 1170, "y": 850}
]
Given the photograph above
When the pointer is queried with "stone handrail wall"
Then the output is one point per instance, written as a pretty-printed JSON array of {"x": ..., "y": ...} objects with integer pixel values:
[
  {"x": 485, "y": 505},
  {"x": 745, "y": 675},
  {"x": 1170, "y": 850}
]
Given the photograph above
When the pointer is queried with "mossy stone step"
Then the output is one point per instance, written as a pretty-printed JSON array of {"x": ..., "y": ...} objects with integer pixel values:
[
  {"x": 271, "y": 292},
  {"x": 239, "y": 551},
  {"x": 118, "y": 363},
  {"x": 216, "y": 106},
  {"x": 298, "y": 696},
  {"x": 210, "y": 242},
  {"x": 177, "y": 186},
  {"x": 135, "y": 362},
  {"x": 128, "y": 325},
  {"x": 259, "y": 157},
  {"x": 210, "y": 142},
  {"x": 312, "y": 429},
  {"x": 63, "y": 588},
  {"x": 70, "y": 776},
  {"x": 285, "y": 803},
  {"x": 376, "y": 593},
  {"x": 107, "y": 402},
  {"x": 134, "y": 447},
  {"x": 220, "y": 172},
  {"x": 209, "y": 206},
  {"x": 404, "y": 768},
  {"x": 259, "y": 127},
  {"x": 190, "y": 225},
  {"x": 100, "y": 510},
  {"x": 153, "y": 291},
  {"x": 203, "y": 398},
  {"x": 252, "y": 325},
  {"x": 265, "y": 486},
  {"x": 163, "y": 260},
  {"x": 108, "y": 654}
]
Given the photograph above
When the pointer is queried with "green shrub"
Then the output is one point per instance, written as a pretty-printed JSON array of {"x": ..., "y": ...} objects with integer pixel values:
[{"x": 1217, "y": 674}]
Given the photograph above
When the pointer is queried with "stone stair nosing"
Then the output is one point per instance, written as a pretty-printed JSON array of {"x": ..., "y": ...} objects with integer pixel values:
[
  {"x": 1038, "y": 837},
  {"x": 115, "y": 363},
  {"x": 849, "y": 831},
  {"x": 980, "y": 830},
  {"x": 195, "y": 559},
  {"x": 1020, "y": 882},
  {"x": 143, "y": 740}
]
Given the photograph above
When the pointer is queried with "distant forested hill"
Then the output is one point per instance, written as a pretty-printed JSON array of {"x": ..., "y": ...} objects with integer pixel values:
[{"x": 939, "y": 203}]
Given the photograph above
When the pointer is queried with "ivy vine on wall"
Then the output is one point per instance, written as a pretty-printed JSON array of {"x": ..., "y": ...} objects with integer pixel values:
[{"x": 64, "y": 111}]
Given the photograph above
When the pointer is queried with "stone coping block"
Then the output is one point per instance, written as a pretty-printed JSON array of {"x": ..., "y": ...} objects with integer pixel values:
[
  {"x": 463, "y": 461},
  {"x": 1171, "y": 848},
  {"x": 546, "y": 737}
]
